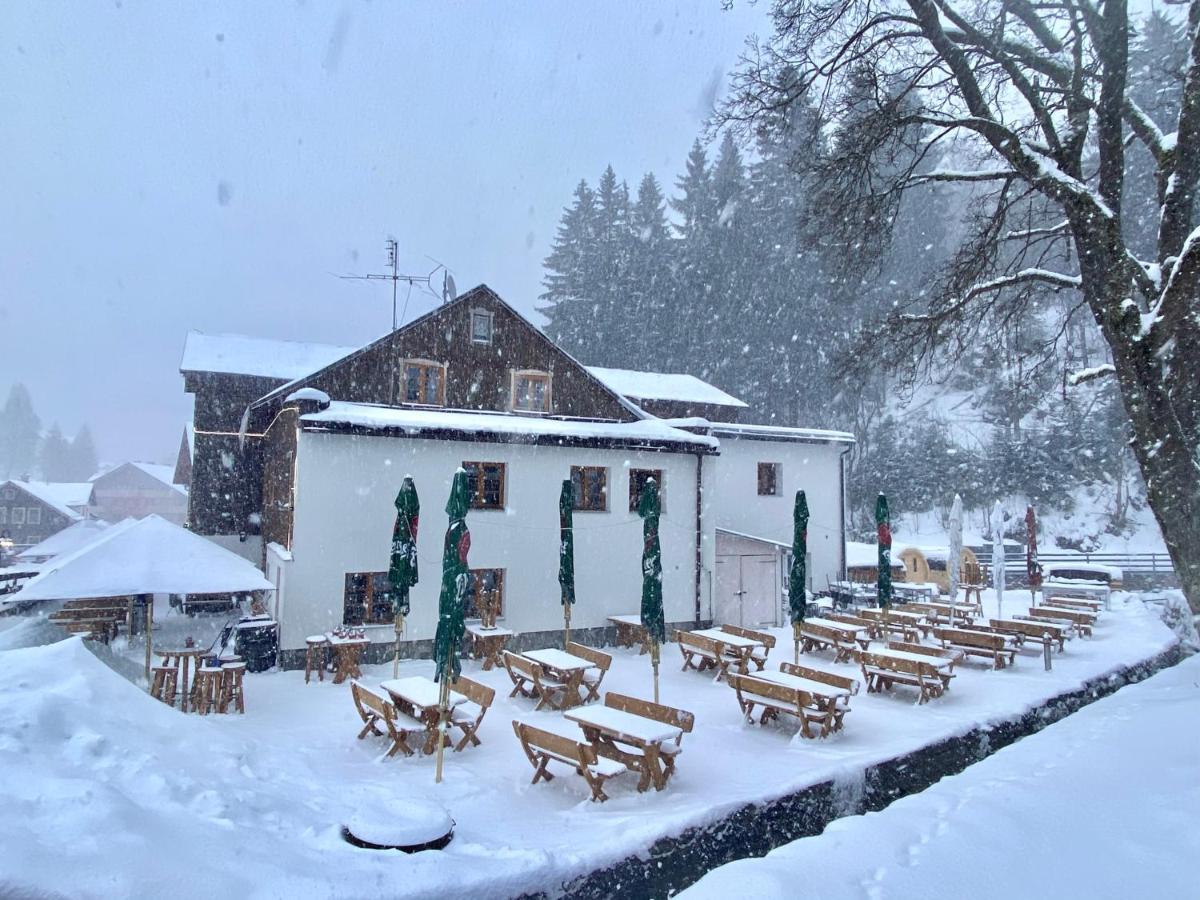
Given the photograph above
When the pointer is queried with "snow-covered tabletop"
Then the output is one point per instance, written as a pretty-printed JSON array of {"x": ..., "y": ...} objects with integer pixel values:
[
  {"x": 938, "y": 662},
  {"x": 480, "y": 631},
  {"x": 802, "y": 684},
  {"x": 836, "y": 626},
  {"x": 625, "y": 726},
  {"x": 336, "y": 641},
  {"x": 634, "y": 619},
  {"x": 421, "y": 692},
  {"x": 733, "y": 640},
  {"x": 558, "y": 659}
]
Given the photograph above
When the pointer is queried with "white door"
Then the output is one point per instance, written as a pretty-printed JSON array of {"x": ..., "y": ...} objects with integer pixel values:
[
  {"x": 728, "y": 607},
  {"x": 760, "y": 591}
]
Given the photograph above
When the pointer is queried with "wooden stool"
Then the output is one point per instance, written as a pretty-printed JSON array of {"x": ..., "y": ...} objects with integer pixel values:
[
  {"x": 164, "y": 684},
  {"x": 206, "y": 689},
  {"x": 231, "y": 686},
  {"x": 314, "y": 658}
]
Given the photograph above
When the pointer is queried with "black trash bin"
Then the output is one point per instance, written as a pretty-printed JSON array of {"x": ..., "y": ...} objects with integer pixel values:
[{"x": 256, "y": 640}]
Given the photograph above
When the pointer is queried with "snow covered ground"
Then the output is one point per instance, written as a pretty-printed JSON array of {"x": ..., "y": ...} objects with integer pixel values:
[
  {"x": 109, "y": 793},
  {"x": 1101, "y": 804}
]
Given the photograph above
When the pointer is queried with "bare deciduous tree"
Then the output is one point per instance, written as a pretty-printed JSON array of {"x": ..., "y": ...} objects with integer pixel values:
[{"x": 1037, "y": 96}]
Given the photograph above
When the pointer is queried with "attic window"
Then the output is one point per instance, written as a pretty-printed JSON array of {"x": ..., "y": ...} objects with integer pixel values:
[
  {"x": 424, "y": 382},
  {"x": 481, "y": 326},
  {"x": 531, "y": 391}
]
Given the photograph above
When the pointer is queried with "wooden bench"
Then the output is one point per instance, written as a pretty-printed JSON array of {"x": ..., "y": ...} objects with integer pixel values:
[
  {"x": 882, "y": 672},
  {"x": 820, "y": 637},
  {"x": 877, "y": 628},
  {"x": 669, "y": 715},
  {"x": 759, "y": 654},
  {"x": 630, "y": 633},
  {"x": 592, "y": 678},
  {"x": 911, "y": 622},
  {"x": 842, "y": 682},
  {"x": 1082, "y": 621},
  {"x": 1035, "y": 632},
  {"x": 702, "y": 653},
  {"x": 1092, "y": 606},
  {"x": 530, "y": 680},
  {"x": 995, "y": 647},
  {"x": 467, "y": 717},
  {"x": 778, "y": 698},
  {"x": 542, "y": 746},
  {"x": 374, "y": 709}
]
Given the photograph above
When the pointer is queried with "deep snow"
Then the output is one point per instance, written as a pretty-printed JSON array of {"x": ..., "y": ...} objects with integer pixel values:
[
  {"x": 1102, "y": 804},
  {"x": 109, "y": 793}
]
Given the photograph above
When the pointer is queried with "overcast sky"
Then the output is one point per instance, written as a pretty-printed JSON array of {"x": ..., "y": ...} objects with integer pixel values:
[{"x": 215, "y": 167}]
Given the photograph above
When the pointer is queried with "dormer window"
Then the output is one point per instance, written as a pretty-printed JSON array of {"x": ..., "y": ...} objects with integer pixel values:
[
  {"x": 531, "y": 391},
  {"x": 481, "y": 326},
  {"x": 423, "y": 382}
]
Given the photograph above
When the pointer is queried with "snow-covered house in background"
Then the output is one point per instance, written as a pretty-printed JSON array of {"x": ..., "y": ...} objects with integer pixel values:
[
  {"x": 31, "y": 511},
  {"x": 136, "y": 490},
  {"x": 303, "y": 471}
]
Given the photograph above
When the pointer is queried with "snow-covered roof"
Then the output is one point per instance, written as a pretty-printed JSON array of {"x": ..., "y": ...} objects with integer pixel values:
[
  {"x": 663, "y": 386},
  {"x": 143, "y": 556},
  {"x": 67, "y": 497},
  {"x": 780, "y": 432},
  {"x": 425, "y": 420},
  {"x": 237, "y": 354},
  {"x": 861, "y": 555},
  {"x": 157, "y": 471},
  {"x": 70, "y": 539}
]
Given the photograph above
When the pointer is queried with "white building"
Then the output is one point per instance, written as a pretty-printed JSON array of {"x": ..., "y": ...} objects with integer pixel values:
[{"x": 305, "y": 469}]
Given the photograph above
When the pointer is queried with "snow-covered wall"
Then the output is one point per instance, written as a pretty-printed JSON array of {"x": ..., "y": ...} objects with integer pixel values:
[
  {"x": 346, "y": 485},
  {"x": 814, "y": 468}
]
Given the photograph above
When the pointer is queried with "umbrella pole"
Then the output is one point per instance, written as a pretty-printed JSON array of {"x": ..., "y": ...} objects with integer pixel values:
[
  {"x": 796, "y": 637},
  {"x": 443, "y": 715},
  {"x": 654, "y": 655},
  {"x": 396, "y": 658},
  {"x": 149, "y": 626},
  {"x": 567, "y": 624}
]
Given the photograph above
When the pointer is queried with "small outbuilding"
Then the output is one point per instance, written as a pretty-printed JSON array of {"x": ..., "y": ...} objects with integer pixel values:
[{"x": 930, "y": 565}]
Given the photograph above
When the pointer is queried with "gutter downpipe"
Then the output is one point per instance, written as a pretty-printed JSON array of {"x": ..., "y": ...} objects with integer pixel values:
[
  {"x": 842, "y": 508},
  {"x": 699, "y": 531}
]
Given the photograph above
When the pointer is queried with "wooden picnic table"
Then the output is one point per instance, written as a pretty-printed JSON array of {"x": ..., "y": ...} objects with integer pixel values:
[
  {"x": 816, "y": 688},
  {"x": 630, "y": 631},
  {"x": 607, "y": 729},
  {"x": 418, "y": 698},
  {"x": 853, "y": 632},
  {"x": 916, "y": 591},
  {"x": 739, "y": 648},
  {"x": 488, "y": 643},
  {"x": 938, "y": 662},
  {"x": 181, "y": 658},
  {"x": 565, "y": 667},
  {"x": 347, "y": 654}
]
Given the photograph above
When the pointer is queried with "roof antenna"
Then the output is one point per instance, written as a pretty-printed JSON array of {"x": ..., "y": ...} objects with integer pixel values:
[{"x": 395, "y": 277}]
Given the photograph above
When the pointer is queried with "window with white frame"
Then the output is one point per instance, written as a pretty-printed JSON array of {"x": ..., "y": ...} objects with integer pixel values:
[
  {"x": 18, "y": 515},
  {"x": 33, "y": 515},
  {"x": 531, "y": 391},
  {"x": 3, "y": 515},
  {"x": 481, "y": 326}
]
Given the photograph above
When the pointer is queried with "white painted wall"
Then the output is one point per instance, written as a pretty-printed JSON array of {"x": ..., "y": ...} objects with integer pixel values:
[
  {"x": 813, "y": 468},
  {"x": 344, "y": 513}
]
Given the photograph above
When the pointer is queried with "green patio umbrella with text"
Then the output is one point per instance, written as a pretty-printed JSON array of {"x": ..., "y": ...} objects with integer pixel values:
[
  {"x": 566, "y": 553},
  {"x": 652, "y": 607},
  {"x": 402, "y": 571},
  {"x": 450, "y": 628},
  {"x": 883, "y": 534},
  {"x": 798, "y": 574}
]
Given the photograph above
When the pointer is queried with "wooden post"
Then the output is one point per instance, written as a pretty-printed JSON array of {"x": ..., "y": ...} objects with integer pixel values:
[
  {"x": 567, "y": 624},
  {"x": 654, "y": 656},
  {"x": 1046, "y": 650},
  {"x": 796, "y": 637},
  {"x": 399, "y": 631},
  {"x": 149, "y": 599},
  {"x": 443, "y": 718}
]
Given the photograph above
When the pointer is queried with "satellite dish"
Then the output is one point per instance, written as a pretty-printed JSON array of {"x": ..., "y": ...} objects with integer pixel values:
[{"x": 449, "y": 292}]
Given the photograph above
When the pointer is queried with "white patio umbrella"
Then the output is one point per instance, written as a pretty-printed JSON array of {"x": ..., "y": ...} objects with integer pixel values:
[
  {"x": 140, "y": 558},
  {"x": 954, "y": 563},
  {"x": 998, "y": 556}
]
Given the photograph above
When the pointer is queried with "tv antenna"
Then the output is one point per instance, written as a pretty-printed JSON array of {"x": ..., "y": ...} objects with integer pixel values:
[{"x": 396, "y": 276}]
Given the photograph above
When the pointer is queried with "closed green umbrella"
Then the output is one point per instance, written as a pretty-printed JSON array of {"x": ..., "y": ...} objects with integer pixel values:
[
  {"x": 450, "y": 627},
  {"x": 402, "y": 573},
  {"x": 883, "y": 533},
  {"x": 566, "y": 553},
  {"x": 798, "y": 576},
  {"x": 652, "y": 608}
]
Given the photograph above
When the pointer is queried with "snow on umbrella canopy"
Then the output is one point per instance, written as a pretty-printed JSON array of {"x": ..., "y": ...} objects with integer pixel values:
[
  {"x": 450, "y": 627},
  {"x": 566, "y": 542},
  {"x": 402, "y": 573},
  {"x": 652, "y": 608},
  {"x": 883, "y": 533},
  {"x": 1033, "y": 568},
  {"x": 798, "y": 576}
]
